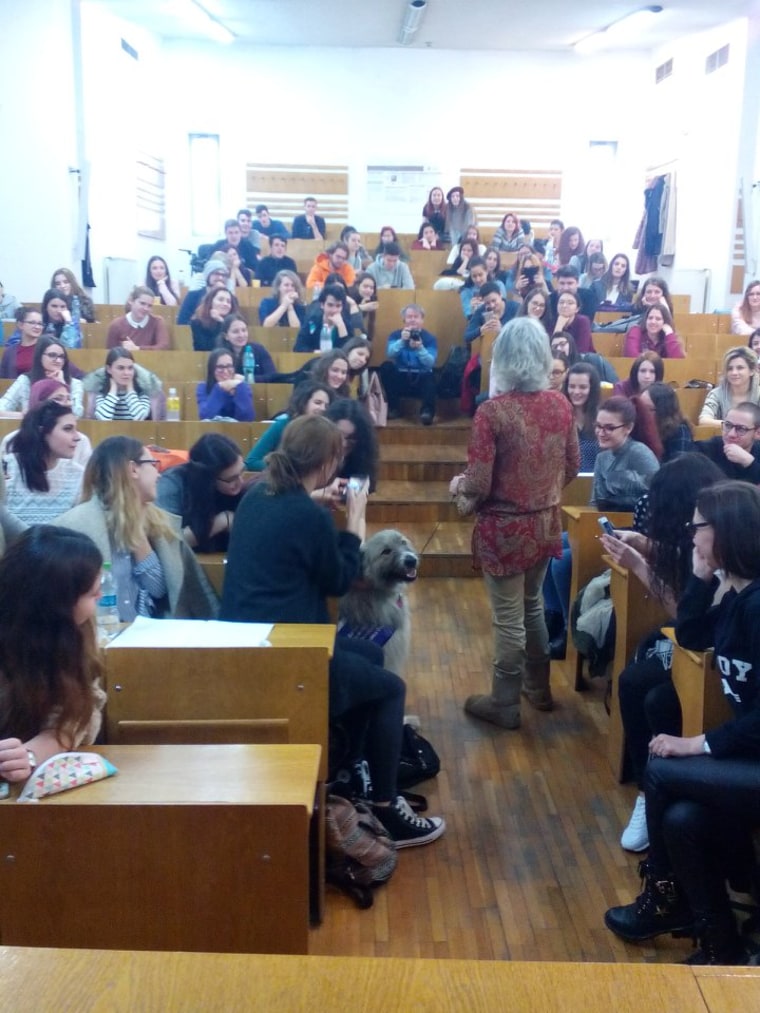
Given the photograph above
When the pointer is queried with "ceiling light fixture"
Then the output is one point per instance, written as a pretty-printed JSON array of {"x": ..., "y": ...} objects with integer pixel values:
[
  {"x": 413, "y": 16},
  {"x": 206, "y": 23},
  {"x": 625, "y": 28}
]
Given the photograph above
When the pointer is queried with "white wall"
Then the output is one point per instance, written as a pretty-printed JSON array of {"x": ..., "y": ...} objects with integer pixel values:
[
  {"x": 693, "y": 123},
  {"x": 387, "y": 106},
  {"x": 449, "y": 109},
  {"x": 38, "y": 116}
]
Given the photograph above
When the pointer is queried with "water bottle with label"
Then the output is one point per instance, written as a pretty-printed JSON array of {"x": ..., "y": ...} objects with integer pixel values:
[
  {"x": 325, "y": 339},
  {"x": 249, "y": 365},
  {"x": 108, "y": 606},
  {"x": 172, "y": 405}
]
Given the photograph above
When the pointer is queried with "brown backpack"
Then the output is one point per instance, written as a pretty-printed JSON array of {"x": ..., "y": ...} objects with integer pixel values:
[{"x": 360, "y": 852}]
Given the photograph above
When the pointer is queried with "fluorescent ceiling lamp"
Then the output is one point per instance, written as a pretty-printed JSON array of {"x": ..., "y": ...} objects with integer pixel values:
[
  {"x": 415, "y": 12},
  {"x": 195, "y": 16},
  {"x": 630, "y": 26}
]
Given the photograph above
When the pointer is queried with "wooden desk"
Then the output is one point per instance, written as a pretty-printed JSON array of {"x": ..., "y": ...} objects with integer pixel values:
[
  {"x": 38, "y": 981},
  {"x": 583, "y": 535},
  {"x": 186, "y": 848},
  {"x": 637, "y": 613},
  {"x": 703, "y": 703},
  {"x": 287, "y": 681}
]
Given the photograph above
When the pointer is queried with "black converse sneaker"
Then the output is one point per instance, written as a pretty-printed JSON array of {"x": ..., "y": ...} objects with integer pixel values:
[{"x": 406, "y": 828}]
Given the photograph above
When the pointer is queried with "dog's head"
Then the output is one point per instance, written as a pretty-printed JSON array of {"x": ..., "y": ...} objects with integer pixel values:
[{"x": 389, "y": 558}]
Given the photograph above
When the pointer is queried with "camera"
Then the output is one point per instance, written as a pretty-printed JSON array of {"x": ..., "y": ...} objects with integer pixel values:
[
  {"x": 530, "y": 273},
  {"x": 415, "y": 334}
]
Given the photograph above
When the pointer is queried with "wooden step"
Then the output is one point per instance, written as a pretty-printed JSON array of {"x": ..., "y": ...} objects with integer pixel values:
[
  {"x": 452, "y": 431},
  {"x": 426, "y": 463},
  {"x": 443, "y": 546},
  {"x": 397, "y": 502}
]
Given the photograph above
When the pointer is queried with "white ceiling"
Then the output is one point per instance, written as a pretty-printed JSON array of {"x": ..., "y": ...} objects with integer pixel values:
[{"x": 447, "y": 24}]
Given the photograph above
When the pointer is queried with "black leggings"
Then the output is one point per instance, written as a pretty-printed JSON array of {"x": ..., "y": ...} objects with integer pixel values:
[
  {"x": 648, "y": 706},
  {"x": 700, "y": 812},
  {"x": 369, "y": 701}
]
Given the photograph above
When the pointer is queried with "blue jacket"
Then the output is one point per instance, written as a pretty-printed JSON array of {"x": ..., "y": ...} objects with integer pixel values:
[{"x": 412, "y": 360}]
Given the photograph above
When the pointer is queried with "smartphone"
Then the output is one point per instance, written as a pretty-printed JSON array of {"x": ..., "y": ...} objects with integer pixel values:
[{"x": 606, "y": 527}]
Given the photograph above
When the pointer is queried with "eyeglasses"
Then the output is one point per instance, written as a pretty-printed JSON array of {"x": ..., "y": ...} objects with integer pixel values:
[
  {"x": 33, "y": 323},
  {"x": 739, "y": 430},
  {"x": 227, "y": 367},
  {"x": 148, "y": 460},
  {"x": 58, "y": 356},
  {"x": 558, "y": 372},
  {"x": 608, "y": 428},
  {"x": 693, "y": 526}
]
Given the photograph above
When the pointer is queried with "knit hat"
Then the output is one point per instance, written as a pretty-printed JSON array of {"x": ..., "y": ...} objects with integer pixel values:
[
  {"x": 215, "y": 265},
  {"x": 455, "y": 189},
  {"x": 42, "y": 390}
]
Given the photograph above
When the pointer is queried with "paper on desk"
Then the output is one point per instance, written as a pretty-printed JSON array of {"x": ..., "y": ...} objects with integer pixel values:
[{"x": 194, "y": 633}]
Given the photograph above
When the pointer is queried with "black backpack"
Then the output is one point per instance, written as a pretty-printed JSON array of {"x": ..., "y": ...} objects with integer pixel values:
[{"x": 452, "y": 373}]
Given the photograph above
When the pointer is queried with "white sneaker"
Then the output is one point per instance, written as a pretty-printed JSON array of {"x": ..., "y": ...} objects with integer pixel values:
[{"x": 636, "y": 836}]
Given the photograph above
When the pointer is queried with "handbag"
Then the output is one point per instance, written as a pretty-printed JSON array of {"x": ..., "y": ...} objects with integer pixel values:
[
  {"x": 377, "y": 404},
  {"x": 418, "y": 760}
]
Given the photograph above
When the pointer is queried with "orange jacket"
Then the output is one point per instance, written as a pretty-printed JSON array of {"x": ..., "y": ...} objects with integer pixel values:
[{"x": 322, "y": 267}]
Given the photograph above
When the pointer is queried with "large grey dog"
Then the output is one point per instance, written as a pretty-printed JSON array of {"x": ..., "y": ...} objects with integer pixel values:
[{"x": 376, "y": 608}]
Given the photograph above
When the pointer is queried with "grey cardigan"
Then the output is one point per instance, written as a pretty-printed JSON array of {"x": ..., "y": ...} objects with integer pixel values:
[{"x": 190, "y": 593}]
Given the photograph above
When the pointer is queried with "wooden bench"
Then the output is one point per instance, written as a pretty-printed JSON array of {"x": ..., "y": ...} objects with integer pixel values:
[
  {"x": 189, "y": 847},
  {"x": 97, "y": 979},
  {"x": 637, "y": 613},
  {"x": 583, "y": 535},
  {"x": 703, "y": 703}
]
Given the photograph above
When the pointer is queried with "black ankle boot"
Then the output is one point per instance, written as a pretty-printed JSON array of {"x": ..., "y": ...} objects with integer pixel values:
[
  {"x": 658, "y": 909},
  {"x": 555, "y": 623},
  {"x": 719, "y": 942}
]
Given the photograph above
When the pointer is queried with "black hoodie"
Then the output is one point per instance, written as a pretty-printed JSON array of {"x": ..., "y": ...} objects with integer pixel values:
[{"x": 732, "y": 628}]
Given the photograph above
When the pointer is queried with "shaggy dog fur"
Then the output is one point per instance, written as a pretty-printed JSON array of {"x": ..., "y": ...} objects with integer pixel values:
[{"x": 376, "y": 608}]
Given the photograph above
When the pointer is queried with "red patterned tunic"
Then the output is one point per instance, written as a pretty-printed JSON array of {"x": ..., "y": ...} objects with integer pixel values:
[{"x": 523, "y": 450}]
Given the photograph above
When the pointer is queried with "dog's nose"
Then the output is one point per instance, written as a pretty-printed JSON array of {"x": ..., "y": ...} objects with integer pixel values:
[{"x": 410, "y": 560}]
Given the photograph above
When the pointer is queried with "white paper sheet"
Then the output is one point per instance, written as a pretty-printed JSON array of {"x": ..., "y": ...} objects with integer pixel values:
[{"x": 193, "y": 633}]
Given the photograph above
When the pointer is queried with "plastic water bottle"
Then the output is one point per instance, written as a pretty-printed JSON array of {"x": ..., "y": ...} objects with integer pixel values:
[
  {"x": 325, "y": 339},
  {"x": 172, "y": 405},
  {"x": 108, "y": 606},
  {"x": 249, "y": 365}
]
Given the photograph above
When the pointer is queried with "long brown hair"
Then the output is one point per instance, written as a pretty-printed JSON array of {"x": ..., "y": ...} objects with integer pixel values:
[
  {"x": 308, "y": 443},
  {"x": 48, "y": 664}
]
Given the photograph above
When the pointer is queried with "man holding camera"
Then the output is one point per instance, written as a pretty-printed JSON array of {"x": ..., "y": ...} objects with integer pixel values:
[{"x": 408, "y": 372}]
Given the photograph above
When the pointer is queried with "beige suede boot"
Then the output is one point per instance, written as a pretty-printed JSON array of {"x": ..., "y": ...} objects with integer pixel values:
[
  {"x": 535, "y": 687},
  {"x": 501, "y": 706}
]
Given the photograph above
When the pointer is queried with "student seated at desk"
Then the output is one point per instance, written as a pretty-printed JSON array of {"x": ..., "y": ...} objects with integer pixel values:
[
  {"x": 622, "y": 471},
  {"x": 155, "y": 570},
  {"x": 234, "y": 338},
  {"x": 50, "y": 362},
  {"x": 661, "y": 558},
  {"x": 738, "y": 383},
  {"x": 671, "y": 433},
  {"x": 138, "y": 328},
  {"x": 205, "y": 492},
  {"x": 41, "y": 477},
  {"x": 225, "y": 394},
  {"x": 703, "y": 792},
  {"x": 41, "y": 392},
  {"x": 311, "y": 397},
  {"x": 737, "y": 450},
  {"x": 285, "y": 307},
  {"x": 123, "y": 391},
  {"x": 50, "y": 695},
  {"x": 285, "y": 557}
]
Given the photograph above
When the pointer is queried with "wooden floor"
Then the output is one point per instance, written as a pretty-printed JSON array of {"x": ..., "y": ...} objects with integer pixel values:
[{"x": 531, "y": 858}]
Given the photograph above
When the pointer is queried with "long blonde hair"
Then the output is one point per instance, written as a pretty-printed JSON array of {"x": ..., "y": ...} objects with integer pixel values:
[{"x": 107, "y": 478}]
